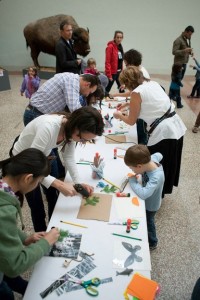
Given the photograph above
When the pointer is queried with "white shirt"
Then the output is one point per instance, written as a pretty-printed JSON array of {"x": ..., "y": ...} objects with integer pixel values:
[
  {"x": 42, "y": 134},
  {"x": 155, "y": 103},
  {"x": 144, "y": 72}
]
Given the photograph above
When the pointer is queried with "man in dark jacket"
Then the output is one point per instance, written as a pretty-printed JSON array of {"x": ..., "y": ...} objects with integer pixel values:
[
  {"x": 66, "y": 57},
  {"x": 182, "y": 48}
]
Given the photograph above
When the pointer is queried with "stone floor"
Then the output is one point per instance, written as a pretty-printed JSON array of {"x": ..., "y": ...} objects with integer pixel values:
[{"x": 176, "y": 261}]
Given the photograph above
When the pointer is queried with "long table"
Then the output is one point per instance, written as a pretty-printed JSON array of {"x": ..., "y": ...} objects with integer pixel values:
[{"x": 97, "y": 238}]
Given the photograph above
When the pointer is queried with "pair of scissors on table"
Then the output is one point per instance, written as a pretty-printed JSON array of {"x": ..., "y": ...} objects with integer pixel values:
[
  {"x": 134, "y": 224},
  {"x": 88, "y": 284}
]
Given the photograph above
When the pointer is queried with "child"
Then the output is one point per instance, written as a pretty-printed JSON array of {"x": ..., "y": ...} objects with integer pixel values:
[
  {"x": 174, "y": 90},
  {"x": 30, "y": 83},
  {"x": 18, "y": 252},
  {"x": 138, "y": 158},
  {"x": 91, "y": 67},
  {"x": 196, "y": 87}
]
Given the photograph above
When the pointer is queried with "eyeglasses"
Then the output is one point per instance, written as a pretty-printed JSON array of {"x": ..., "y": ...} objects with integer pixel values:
[{"x": 82, "y": 140}]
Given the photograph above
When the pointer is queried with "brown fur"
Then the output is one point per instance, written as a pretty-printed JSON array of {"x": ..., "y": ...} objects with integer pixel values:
[{"x": 42, "y": 35}]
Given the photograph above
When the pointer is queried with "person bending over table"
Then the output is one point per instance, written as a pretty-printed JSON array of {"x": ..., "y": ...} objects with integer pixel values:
[
  {"x": 150, "y": 103},
  {"x": 47, "y": 132},
  {"x": 18, "y": 252}
]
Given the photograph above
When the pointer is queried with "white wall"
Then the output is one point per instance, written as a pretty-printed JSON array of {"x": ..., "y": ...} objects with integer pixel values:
[{"x": 149, "y": 26}]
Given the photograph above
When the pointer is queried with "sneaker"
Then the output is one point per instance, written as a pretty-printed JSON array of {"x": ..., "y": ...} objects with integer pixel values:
[
  {"x": 153, "y": 247},
  {"x": 190, "y": 96},
  {"x": 195, "y": 129}
]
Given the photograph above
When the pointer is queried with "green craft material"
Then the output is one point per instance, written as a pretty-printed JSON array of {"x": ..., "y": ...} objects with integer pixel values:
[
  {"x": 63, "y": 234},
  {"x": 107, "y": 189},
  {"x": 92, "y": 200}
]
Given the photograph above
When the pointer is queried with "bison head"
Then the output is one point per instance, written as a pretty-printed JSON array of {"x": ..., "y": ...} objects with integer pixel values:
[{"x": 81, "y": 41}]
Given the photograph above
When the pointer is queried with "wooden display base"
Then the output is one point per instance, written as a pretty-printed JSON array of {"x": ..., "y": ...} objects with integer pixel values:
[
  {"x": 43, "y": 72},
  {"x": 4, "y": 80}
]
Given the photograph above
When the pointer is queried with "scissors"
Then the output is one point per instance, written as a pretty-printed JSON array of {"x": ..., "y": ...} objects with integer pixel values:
[
  {"x": 134, "y": 224},
  {"x": 88, "y": 285}
]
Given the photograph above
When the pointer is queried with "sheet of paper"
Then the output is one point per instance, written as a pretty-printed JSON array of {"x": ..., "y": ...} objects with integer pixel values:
[
  {"x": 98, "y": 209},
  {"x": 68, "y": 246},
  {"x": 125, "y": 208},
  {"x": 129, "y": 253}
]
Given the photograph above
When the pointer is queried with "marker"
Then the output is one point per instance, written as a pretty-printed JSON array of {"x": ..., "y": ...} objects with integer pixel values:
[
  {"x": 128, "y": 225},
  {"x": 74, "y": 224},
  {"x": 128, "y": 237},
  {"x": 115, "y": 153},
  {"x": 118, "y": 194},
  {"x": 111, "y": 183}
]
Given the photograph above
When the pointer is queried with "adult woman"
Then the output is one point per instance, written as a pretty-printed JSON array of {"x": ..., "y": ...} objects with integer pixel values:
[
  {"x": 47, "y": 132},
  {"x": 149, "y": 102},
  {"x": 114, "y": 60},
  {"x": 18, "y": 252}
]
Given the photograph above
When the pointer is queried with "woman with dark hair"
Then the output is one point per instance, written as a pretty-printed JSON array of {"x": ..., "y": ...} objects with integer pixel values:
[
  {"x": 47, "y": 132},
  {"x": 114, "y": 60},
  {"x": 18, "y": 252},
  {"x": 164, "y": 127}
]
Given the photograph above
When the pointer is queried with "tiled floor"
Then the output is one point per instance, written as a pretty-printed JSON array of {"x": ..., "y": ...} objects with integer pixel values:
[{"x": 175, "y": 263}]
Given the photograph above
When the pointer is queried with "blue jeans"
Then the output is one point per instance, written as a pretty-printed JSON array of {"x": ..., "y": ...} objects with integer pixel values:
[
  {"x": 196, "y": 88},
  {"x": 151, "y": 228},
  {"x": 8, "y": 285},
  {"x": 29, "y": 115}
]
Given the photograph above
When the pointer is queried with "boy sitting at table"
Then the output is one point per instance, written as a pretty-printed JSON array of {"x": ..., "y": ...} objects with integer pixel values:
[{"x": 140, "y": 161}]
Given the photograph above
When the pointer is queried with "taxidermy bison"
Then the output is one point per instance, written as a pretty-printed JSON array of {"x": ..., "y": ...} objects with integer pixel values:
[{"x": 42, "y": 35}]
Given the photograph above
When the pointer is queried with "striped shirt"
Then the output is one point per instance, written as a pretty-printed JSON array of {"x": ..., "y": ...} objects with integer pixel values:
[{"x": 58, "y": 92}]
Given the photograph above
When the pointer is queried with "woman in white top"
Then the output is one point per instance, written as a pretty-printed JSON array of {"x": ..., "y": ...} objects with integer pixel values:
[
  {"x": 50, "y": 131},
  {"x": 149, "y": 102}
]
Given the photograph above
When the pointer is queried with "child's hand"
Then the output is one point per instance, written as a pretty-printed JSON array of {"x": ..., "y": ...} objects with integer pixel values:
[
  {"x": 117, "y": 114},
  {"x": 191, "y": 66},
  {"x": 52, "y": 236},
  {"x": 34, "y": 238}
]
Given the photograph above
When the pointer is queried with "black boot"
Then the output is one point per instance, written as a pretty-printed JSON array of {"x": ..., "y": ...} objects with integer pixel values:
[{"x": 178, "y": 101}]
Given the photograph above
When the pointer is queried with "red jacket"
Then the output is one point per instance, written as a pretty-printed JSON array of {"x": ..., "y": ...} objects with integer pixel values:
[{"x": 111, "y": 62}]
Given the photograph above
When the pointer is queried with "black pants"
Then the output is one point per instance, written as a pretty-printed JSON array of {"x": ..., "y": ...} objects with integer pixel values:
[
  {"x": 115, "y": 77},
  {"x": 196, "y": 291},
  {"x": 171, "y": 150},
  {"x": 8, "y": 285},
  {"x": 34, "y": 198}
]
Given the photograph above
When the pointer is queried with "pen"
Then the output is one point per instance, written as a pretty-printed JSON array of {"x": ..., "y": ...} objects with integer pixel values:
[
  {"x": 74, "y": 224},
  {"x": 128, "y": 237},
  {"x": 84, "y": 163},
  {"x": 118, "y": 133},
  {"x": 111, "y": 183}
]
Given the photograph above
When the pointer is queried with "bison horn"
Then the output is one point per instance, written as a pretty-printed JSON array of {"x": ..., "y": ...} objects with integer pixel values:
[{"x": 88, "y": 30}]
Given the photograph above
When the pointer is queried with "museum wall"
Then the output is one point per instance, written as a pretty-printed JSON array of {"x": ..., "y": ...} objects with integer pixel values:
[{"x": 149, "y": 26}]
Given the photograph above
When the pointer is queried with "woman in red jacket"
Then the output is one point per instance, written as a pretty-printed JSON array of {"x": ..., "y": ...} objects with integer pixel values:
[{"x": 114, "y": 60}]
